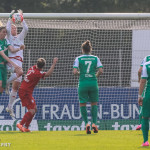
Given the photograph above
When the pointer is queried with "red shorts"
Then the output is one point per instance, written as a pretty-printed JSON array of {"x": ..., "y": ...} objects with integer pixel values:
[{"x": 27, "y": 99}]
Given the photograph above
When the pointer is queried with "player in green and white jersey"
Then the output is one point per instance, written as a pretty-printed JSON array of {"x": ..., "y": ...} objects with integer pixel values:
[
  {"x": 4, "y": 46},
  {"x": 86, "y": 67},
  {"x": 146, "y": 59},
  {"x": 144, "y": 100}
]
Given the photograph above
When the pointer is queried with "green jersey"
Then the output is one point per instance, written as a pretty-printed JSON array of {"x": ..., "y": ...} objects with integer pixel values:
[
  {"x": 4, "y": 44},
  {"x": 146, "y": 73},
  {"x": 146, "y": 59},
  {"x": 87, "y": 65}
]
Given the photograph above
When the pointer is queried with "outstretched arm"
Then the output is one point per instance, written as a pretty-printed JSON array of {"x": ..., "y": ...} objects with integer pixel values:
[
  {"x": 8, "y": 60},
  {"x": 50, "y": 71}
]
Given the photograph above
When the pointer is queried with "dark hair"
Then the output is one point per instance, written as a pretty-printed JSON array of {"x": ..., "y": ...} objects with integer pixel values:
[
  {"x": 2, "y": 27},
  {"x": 41, "y": 63},
  {"x": 86, "y": 46}
]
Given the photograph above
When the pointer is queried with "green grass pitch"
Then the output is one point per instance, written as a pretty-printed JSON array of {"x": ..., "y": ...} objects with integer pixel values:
[{"x": 71, "y": 140}]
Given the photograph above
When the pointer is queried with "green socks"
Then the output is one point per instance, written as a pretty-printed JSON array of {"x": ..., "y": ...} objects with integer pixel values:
[
  {"x": 145, "y": 128},
  {"x": 84, "y": 114},
  {"x": 94, "y": 114},
  {"x": 140, "y": 115}
]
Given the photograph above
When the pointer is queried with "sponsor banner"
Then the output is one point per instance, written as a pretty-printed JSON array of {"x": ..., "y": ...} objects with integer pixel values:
[
  {"x": 75, "y": 125},
  {"x": 61, "y": 105}
]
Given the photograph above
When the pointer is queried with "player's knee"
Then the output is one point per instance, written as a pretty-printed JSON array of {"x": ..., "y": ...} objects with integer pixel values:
[{"x": 20, "y": 73}]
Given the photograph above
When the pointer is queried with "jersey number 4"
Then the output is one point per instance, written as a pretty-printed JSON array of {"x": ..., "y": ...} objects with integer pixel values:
[{"x": 89, "y": 65}]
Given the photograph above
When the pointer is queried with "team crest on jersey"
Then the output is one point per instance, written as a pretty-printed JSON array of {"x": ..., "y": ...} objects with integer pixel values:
[{"x": 41, "y": 72}]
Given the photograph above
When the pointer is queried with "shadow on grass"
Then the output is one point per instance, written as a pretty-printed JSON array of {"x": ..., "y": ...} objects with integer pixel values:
[
  {"x": 140, "y": 147},
  {"x": 15, "y": 132},
  {"x": 84, "y": 134}
]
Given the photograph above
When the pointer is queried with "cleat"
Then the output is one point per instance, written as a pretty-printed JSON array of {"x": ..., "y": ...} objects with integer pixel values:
[
  {"x": 88, "y": 131},
  {"x": 95, "y": 129},
  {"x": 139, "y": 127},
  {"x": 21, "y": 128},
  {"x": 145, "y": 144},
  {"x": 10, "y": 111},
  {"x": 26, "y": 130},
  {"x": 7, "y": 91}
]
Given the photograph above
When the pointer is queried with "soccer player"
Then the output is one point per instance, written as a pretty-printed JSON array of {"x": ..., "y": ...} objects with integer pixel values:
[
  {"x": 144, "y": 100},
  {"x": 31, "y": 79},
  {"x": 16, "y": 40},
  {"x": 146, "y": 59},
  {"x": 4, "y": 46},
  {"x": 86, "y": 66}
]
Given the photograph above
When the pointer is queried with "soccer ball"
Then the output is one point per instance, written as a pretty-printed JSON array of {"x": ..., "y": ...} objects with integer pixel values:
[{"x": 17, "y": 18}]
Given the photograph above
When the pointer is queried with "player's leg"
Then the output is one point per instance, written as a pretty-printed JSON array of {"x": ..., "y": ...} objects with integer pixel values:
[
  {"x": 1, "y": 82},
  {"x": 145, "y": 117},
  {"x": 14, "y": 73},
  {"x": 3, "y": 79},
  {"x": 83, "y": 98},
  {"x": 12, "y": 96},
  {"x": 145, "y": 129},
  {"x": 29, "y": 102},
  {"x": 140, "y": 119}
]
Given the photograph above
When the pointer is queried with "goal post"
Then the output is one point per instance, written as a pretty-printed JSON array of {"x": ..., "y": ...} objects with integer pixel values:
[{"x": 120, "y": 40}]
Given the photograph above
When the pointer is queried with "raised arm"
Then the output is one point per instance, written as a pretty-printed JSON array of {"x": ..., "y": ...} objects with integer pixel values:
[
  {"x": 24, "y": 31},
  {"x": 50, "y": 71}
]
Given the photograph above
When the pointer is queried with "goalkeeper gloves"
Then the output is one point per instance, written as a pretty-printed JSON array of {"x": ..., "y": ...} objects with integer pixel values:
[
  {"x": 20, "y": 11},
  {"x": 11, "y": 14}
]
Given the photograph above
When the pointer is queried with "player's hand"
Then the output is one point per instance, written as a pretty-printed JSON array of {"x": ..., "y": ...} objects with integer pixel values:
[
  {"x": 140, "y": 101},
  {"x": 20, "y": 11},
  {"x": 55, "y": 60},
  {"x": 11, "y": 14},
  {"x": 22, "y": 47},
  {"x": 17, "y": 68}
]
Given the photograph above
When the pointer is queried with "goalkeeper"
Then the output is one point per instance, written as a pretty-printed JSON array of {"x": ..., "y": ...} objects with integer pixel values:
[
  {"x": 88, "y": 86},
  {"x": 31, "y": 79},
  {"x": 4, "y": 46},
  {"x": 15, "y": 40}
]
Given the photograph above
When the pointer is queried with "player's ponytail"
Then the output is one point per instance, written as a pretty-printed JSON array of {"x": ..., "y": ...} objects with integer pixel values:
[
  {"x": 41, "y": 63},
  {"x": 86, "y": 46}
]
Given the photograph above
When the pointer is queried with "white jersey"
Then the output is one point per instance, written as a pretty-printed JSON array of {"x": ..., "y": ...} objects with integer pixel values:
[{"x": 16, "y": 41}]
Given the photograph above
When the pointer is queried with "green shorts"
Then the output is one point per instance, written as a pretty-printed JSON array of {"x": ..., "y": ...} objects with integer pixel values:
[
  {"x": 146, "y": 104},
  {"x": 88, "y": 91},
  {"x": 3, "y": 75}
]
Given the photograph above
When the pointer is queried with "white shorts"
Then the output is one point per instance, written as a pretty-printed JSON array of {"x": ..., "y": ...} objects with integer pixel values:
[{"x": 11, "y": 69}]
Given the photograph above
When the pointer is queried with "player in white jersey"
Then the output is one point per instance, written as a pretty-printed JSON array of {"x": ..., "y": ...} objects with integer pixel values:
[{"x": 16, "y": 40}]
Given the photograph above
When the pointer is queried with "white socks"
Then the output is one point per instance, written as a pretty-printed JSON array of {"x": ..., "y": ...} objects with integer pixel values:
[{"x": 12, "y": 98}]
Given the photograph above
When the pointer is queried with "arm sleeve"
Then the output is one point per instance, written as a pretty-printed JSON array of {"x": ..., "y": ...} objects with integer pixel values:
[
  {"x": 8, "y": 43},
  {"x": 143, "y": 62},
  {"x": 8, "y": 28},
  {"x": 144, "y": 72},
  {"x": 99, "y": 64},
  {"x": 24, "y": 31},
  {"x": 76, "y": 63},
  {"x": 42, "y": 74}
]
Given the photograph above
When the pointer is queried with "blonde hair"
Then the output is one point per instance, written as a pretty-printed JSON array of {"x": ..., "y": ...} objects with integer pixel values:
[
  {"x": 1, "y": 24},
  {"x": 41, "y": 63}
]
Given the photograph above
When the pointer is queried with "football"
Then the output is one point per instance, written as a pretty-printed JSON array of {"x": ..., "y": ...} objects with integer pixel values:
[{"x": 17, "y": 18}]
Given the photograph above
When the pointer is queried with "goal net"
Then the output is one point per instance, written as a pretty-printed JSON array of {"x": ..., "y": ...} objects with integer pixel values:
[{"x": 120, "y": 43}]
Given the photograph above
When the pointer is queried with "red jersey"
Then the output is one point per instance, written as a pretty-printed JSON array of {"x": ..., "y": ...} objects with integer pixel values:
[{"x": 32, "y": 78}]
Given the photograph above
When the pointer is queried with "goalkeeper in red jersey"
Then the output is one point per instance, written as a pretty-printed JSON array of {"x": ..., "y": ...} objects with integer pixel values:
[{"x": 31, "y": 79}]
